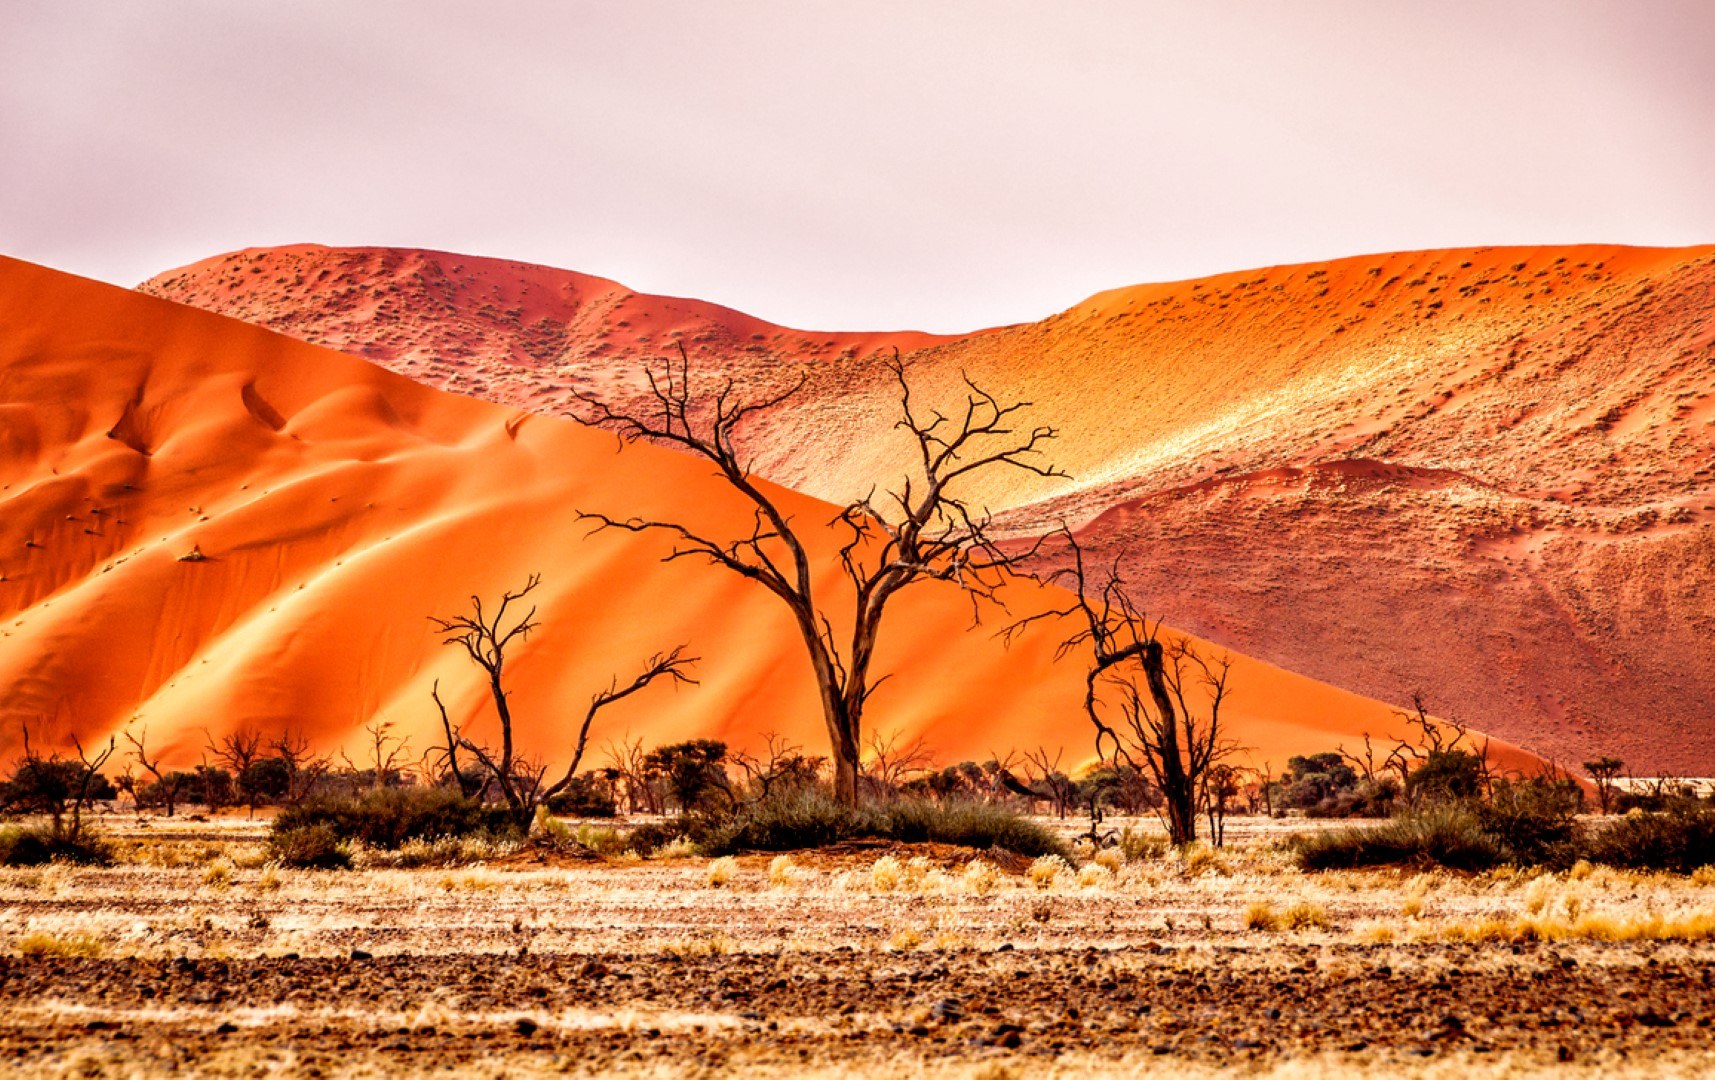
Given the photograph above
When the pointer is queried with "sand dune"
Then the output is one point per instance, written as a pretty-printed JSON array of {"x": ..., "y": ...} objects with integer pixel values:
[
  {"x": 209, "y": 526},
  {"x": 1485, "y": 474}
]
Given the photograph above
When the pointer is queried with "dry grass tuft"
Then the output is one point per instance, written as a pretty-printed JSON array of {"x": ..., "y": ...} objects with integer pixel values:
[
  {"x": 1047, "y": 869},
  {"x": 217, "y": 875},
  {"x": 1305, "y": 915},
  {"x": 885, "y": 875},
  {"x": 1095, "y": 876},
  {"x": 1260, "y": 915},
  {"x": 783, "y": 872},
  {"x": 717, "y": 943},
  {"x": 905, "y": 940},
  {"x": 981, "y": 877},
  {"x": 69, "y": 946},
  {"x": 721, "y": 872}
]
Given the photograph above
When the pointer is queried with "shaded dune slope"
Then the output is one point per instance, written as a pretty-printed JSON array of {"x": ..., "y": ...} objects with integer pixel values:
[
  {"x": 1485, "y": 474},
  {"x": 209, "y": 526}
]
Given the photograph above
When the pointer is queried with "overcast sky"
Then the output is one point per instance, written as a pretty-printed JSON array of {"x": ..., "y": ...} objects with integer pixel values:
[{"x": 939, "y": 166}]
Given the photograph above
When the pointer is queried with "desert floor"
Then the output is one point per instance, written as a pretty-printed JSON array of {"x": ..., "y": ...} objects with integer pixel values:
[{"x": 190, "y": 954}]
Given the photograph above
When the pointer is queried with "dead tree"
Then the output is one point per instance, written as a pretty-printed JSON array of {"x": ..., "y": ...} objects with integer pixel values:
[
  {"x": 303, "y": 770},
  {"x": 1604, "y": 771},
  {"x": 919, "y": 530},
  {"x": 239, "y": 751},
  {"x": 887, "y": 765},
  {"x": 485, "y": 638},
  {"x": 1061, "y": 790},
  {"x": 670, "y": 665},
  {"x": 60, "y": 787},
  {"x": 387, "y": 754},
  {"x": 1161, "y": 730},
  {"x": 167, "y": 783}
]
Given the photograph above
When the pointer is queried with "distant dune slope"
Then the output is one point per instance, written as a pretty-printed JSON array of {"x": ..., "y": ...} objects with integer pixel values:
[
  {"x": 1485, "y": 474},
  {"x": 208, "y": 526}
]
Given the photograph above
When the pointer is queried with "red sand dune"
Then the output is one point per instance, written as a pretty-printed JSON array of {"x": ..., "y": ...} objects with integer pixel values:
[
  {"x": 337, "y": 505},
  {"x": 1485, "y": 474}
]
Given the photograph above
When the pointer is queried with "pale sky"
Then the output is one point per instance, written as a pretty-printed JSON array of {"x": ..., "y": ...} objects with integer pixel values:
[{"x": 877, "y": 165}]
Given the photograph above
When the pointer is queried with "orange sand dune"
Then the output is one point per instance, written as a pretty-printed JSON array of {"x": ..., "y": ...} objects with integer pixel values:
[
  {"x": 1533, "y": 546},
  {"x": 336, "y": 505}
]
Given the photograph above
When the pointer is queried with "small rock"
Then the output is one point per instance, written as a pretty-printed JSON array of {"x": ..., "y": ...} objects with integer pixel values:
[
  {"x": 526, "y": 1026},
  {"x": 947, "y": 1011},
  {"x": 362, "y": 954},
  {"x": 226, "y": 1027},
  {"x": 1010, "y": 1040}
]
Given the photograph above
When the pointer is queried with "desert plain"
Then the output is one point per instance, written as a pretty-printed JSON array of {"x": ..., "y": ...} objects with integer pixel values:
[{"x": 191, "y": 954}]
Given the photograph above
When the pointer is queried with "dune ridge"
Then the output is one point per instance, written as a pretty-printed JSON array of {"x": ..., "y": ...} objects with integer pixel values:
[
  {"x": 210, "y": 526},
  {"x": 1487, "y": 474}
]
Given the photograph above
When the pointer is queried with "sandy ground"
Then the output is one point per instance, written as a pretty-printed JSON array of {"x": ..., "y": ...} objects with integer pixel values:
[{"x": 192, "y": 956}]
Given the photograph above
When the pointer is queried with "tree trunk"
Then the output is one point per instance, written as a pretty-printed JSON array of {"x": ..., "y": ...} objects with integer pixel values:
[{"x": 1176, "y": 787}]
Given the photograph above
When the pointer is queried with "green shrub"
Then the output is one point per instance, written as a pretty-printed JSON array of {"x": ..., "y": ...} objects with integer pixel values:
[
  {"x": 790, "y": 822},
  {"x": 388, "y": 817},
  {"x": 28, "y": 845},
  {"x": 309, "y": 847},
  {"x": 1450, "y": 836},
  {"x": 1682, "y": 840},
  {"x": 586, "y": 797},
  {"x": 968, "y": 824},
  {"x": 1533, "y": 820},
  {"x": 808, "y": 818}
]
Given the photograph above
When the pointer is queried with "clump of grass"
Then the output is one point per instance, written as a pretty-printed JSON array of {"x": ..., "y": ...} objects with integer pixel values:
[
  {"x": 806, "y": 818},
  {"x": 1444, "y": 836},
  {"x": 717, "y": 943},
  {"x": 602, "y": 839},
  {"x": 884, "y": 875},
  {"x": 1305, "y": 915},
  {"x": 309, "y": 847},
  {"x": 440, "y": 852},
  {"x": 1376, "y": 933},
  {"x": 1095, "y": 876},
  {"x": 1047, "y": 870},
  {"x": 33, "y": 845},
  {"x": 981, "y": 877},
  {"x": 1681, "y": 839},
  {"x": 67, "y": 946},
  {"x": 389, "y": 817},
  {"x": 721, "y": 872},
  {"x": 782, "y": 872},
  {"x": 1198, "y": 859},
  {"x": 1590, "y": 926},
  {"x": 1260, "y": 915},
  {"x": 1110, "y": 858},
  {"x": 217, "y": 875},
  {"x": 1138, "y": 845},
  {"x": 905, "y": 940}
]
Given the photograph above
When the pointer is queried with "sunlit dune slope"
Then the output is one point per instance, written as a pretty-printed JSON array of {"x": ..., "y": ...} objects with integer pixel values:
[
  {"x": 208, "y": 526},
  {"x": 1484, "y": 474}
]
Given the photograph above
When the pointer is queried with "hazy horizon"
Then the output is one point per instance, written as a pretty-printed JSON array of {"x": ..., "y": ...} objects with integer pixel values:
[{"x": 939, "y": 169}]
